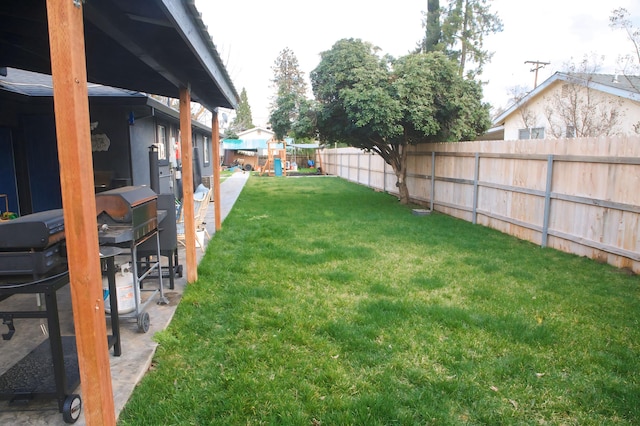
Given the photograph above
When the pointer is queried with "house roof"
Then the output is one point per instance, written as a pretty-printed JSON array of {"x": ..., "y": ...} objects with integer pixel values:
[
  {"x": 623, "y": 86},
  {"x": 28, "y": 84},
  {"x": 33, "y": 84},
  {"x": 151, "y": 46},
  {"x": 255, "y": 130}
]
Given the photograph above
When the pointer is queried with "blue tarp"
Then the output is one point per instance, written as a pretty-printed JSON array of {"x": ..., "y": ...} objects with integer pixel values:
[{"x": 244, "y": 144}]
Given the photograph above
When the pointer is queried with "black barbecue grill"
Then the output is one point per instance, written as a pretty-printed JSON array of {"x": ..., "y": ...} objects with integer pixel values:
[
  {"x": 33, "y": 261},
  {"x": 126, "y": 214},
  {"x": 32, "y": 244},
  {"x": 127, "y": 217}
]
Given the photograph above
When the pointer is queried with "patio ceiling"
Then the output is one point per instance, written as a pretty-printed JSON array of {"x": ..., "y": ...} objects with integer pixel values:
[{"x": 152, "y": 46}]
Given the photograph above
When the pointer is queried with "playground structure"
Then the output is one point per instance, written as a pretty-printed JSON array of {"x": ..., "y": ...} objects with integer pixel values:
[{"x": 277, "y": 158}]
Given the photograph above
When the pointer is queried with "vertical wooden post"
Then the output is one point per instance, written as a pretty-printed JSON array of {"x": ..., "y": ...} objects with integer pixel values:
[
  {"x": 71, "y": 106},
  {"x": 433, "y": 179},
  {"x": 547, "y": 202},
  {"x": 215, "y": 140},
  {"x": 476, "y": 176},
  {"x": 187, "y": 185}
]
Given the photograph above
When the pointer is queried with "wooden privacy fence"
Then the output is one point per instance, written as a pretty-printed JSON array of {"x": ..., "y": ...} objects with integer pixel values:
[{"x": 580, "y": 196}]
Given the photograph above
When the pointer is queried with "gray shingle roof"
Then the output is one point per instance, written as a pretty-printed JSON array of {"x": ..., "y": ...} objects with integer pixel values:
[{"x": 34, "y": 84}]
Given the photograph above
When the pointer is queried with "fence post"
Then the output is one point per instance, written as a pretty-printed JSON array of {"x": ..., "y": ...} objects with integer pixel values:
[
  {"x": 433, "y": 178},
  {"x": 384, "y": 176},
  {"x": 369, "y": 173},
  {"x": 474, "y": 215},
  {"x": 547, "y": 202}
]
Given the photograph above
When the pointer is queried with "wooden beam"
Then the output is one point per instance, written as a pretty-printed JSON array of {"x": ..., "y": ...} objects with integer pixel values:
[
  {"x": 215, "y": 141},
  {"x": 187, "y": 185},
  {"x": 71, "y": 105}
]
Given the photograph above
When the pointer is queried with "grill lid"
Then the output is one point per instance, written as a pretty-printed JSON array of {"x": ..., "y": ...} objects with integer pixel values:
[
  {"x": 32, "y": 231},
  {"x": 119, "y": 203}
]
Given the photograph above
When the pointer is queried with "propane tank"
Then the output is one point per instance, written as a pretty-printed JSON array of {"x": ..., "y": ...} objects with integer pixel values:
[{"x": 124, "y": 290}]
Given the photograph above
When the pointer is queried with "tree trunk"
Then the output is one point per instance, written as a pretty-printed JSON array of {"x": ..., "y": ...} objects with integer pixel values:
[
  {"x": 402, "y": 188},
  {"x": 399, "y": 166}
]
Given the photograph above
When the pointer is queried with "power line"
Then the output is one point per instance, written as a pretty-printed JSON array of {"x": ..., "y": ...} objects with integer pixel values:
[{"x": 537, "y": 65}]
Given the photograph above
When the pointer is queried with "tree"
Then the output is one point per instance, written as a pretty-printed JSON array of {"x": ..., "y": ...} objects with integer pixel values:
[
  {"x": 291, "y": 90},
  {"x": 465, "y": 24},
  {"x": 384, "y": 105},
  {"x": 431, "y": 24},
  {"x": 578, "y": 110},
  {"x": 527, "y": 114},
  {"x": 198, "y": 111},
  {"x": 243, "y": 119},
  {"x": 619, "y": 19}
]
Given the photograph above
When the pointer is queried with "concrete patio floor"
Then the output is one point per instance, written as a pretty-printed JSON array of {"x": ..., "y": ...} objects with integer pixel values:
[{"x": 137, "y": 348}]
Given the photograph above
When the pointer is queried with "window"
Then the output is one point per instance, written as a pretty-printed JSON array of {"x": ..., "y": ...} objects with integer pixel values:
[
  {"x": 537, "y": 133},
  {"x": 162, "y": 143},
  {"x": 531, "y": 133},
  {"x": 571, "y": 132},
  {"x": 205, "y": 151}
]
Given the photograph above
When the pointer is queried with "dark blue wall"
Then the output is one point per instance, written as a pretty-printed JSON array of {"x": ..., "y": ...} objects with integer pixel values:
[
  {"x": 7, "y": 172},
  {"x": 42, "y": 157}
]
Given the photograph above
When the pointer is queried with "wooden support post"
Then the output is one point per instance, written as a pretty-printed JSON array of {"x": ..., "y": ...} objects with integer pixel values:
[
  {"x": 71, "y": 106},
  {"x": 215, "y": 140},
  {"x": 187, "y": 185}
]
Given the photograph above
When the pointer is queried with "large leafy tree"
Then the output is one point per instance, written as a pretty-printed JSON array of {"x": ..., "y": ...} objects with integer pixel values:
[
  {"x": 383, "y": 105},
  {"x": 290, "y": 88},
  {"x": 459, "y": 31}
]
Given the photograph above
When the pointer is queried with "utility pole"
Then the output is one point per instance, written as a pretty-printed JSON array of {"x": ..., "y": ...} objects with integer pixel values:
[{"x": 537, "y": 65}]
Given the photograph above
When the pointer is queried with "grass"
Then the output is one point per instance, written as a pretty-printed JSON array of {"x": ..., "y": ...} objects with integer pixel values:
[{"x": 321, "y": 302}]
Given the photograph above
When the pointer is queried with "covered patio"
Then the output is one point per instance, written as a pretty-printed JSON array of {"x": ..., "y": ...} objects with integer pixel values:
[{"x": 154, "y": 46}]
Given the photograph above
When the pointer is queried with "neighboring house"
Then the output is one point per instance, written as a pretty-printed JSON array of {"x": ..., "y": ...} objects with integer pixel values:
[
  {"x": 571, "y": 105},
  {"x": 247, "y": 149},
  {"x": 124, "y": 125}
]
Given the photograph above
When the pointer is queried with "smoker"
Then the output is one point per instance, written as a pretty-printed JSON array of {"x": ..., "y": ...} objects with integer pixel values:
[{"x": 128, "y": 217}]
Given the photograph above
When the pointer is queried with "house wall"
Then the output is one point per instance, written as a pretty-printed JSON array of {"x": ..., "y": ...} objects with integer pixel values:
[
  {"x": 535, "y": 115},
  {"x": 42, "y": 159},
  {"x": 112, "y": 167},
  {"x": 29, "y": 173},
  {"x": 575, "y": 195},
  {"x": 23, "y": 127},
  {"x": 256, "y": 133},
  {"x": 8, "y": 184},
  {"x": 142, "y": 135}
]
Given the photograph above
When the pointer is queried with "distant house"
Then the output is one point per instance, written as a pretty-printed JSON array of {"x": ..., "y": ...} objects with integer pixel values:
[
  {"x": 571, "y": 105},
  {"x": 125, "y": 124},
  {"x": 247, "y": 149}
]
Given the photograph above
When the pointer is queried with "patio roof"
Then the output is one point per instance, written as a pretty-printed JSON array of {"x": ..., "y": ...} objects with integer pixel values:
[{"x": 151, "y": 46}]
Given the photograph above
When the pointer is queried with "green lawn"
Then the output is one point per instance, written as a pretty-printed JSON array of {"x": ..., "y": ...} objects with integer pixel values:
[{"x": 322, "y": 302}]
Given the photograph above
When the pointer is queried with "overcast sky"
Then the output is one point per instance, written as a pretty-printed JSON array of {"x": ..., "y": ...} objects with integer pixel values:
[{"x": 249, "y": 36}]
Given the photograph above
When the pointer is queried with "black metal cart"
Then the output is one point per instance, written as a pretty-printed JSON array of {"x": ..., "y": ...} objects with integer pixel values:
[
  {"x": 50, "y": 371},
  {"x": 128, "y": 217}
]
